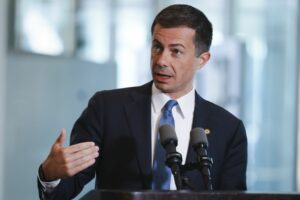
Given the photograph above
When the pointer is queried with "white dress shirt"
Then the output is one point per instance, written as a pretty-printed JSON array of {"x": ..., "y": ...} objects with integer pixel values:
[{"x": 183, "y": 116}]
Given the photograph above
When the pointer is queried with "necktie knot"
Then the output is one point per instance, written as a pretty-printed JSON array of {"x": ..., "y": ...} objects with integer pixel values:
[
  {"x": 167, "y": 117},
  {"x": 169, "y": 105}
]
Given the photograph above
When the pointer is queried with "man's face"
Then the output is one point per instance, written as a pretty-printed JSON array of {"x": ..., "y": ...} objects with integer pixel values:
[{"x": 173, "y": 60}]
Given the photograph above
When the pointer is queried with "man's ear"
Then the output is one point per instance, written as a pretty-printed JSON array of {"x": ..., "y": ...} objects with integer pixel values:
[{"x": 203, "y": 59}]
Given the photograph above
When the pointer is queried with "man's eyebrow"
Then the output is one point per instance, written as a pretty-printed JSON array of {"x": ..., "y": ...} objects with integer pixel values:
[
  {"x": 155, "y": 40},
  {"x": 171, "y": 45},
  {"x": 176, "y": 45}
]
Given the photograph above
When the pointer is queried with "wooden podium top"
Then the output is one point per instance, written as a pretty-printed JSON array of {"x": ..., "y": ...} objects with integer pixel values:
[{"x": 185, "y": 195}]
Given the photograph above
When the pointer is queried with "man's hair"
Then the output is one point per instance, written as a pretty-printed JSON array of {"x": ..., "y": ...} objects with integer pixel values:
[{"x": 187, "y": 16}]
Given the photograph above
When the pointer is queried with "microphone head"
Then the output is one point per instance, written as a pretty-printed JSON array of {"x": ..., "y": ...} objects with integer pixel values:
[
  {"x": 198, "y": 136},
  {"x": 167, "y": 134}
]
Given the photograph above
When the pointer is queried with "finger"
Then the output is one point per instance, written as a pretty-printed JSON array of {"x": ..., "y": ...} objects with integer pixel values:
[
  {"x": 80, "y": 154},
  {"x": 61, "y": 138},
  {"x": 81, "y": 167},
  {"x": 78, "y": 147},
  {"x": 82, "y": 160}
]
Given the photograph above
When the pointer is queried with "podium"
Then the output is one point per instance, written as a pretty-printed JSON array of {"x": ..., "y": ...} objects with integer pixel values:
[{"x": 185, "y": 195}]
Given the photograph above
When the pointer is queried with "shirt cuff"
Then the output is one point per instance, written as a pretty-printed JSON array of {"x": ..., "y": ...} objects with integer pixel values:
[{"x": 49, "y": 186}]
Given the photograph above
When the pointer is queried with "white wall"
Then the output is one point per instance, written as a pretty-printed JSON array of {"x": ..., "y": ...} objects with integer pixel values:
[{"x": 3, "y": 18}]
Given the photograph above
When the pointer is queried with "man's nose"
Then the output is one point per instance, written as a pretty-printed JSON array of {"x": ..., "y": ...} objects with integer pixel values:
[{"x": 163, "y": 58}]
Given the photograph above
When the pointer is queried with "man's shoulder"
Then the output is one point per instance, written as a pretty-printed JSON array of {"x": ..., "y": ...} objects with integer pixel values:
[
  {"x": 215, "y": 111},
  {"x": 218, "y": 119},
  {"x": 124, "y": 93}
]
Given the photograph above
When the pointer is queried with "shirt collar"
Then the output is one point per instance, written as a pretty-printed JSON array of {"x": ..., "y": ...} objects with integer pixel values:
[{"x": 185, "y": 106}]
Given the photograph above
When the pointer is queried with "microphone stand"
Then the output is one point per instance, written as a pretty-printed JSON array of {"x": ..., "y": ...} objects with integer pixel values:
[
  {"x": 174, "y": 160},
  {"x": 204, "y": 165}
]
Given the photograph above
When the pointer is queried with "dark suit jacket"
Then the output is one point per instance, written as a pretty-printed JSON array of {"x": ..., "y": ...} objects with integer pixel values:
[{"x": 119, "y": 121}]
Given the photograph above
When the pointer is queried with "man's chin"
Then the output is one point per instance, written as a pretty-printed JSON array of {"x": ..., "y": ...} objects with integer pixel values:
[{"x": 162, "y": 86}]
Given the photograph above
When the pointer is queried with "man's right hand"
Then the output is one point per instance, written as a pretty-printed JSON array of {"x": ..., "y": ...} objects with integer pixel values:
[{"x": 67, "y": 161}]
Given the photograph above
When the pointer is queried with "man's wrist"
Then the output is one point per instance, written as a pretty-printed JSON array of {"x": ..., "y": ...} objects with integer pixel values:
[
  {"x": 47, "y": 185},
  {"x": 42, "y": 174}
]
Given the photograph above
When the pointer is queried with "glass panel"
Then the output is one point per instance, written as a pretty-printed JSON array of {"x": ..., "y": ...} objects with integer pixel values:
[
  {"x": 53, "y": 27},
  {"x": 132, "y": 44},
  {"x": 93, "y": 30},
  {"x": 269, "y": 96},
  {"x": 44, "y": 26}
]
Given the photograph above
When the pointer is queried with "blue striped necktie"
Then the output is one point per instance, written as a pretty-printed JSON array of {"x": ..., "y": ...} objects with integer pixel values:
[{"x": 162, "y": 173}]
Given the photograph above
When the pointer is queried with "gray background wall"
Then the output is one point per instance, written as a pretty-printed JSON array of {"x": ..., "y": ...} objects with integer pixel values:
[{"x": 44, "y": 94}]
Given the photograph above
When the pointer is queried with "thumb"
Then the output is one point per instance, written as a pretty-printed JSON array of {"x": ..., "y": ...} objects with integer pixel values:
[{"x": 61, "y": 138}]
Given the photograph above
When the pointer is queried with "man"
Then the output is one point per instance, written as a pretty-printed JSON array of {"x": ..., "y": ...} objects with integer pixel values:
[{"x": 116, "y": 134}]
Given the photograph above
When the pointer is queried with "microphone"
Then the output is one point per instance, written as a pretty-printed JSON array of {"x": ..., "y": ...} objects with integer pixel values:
[
  {"x": 199, "y": 142},
  {"x": 168, "y": 140}
]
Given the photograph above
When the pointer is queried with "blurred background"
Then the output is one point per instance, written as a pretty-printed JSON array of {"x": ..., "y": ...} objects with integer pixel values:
[{"x": 54, "y": 55}]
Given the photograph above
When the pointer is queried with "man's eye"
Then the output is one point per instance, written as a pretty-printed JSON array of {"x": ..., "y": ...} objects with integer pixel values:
[
  {"x": 156, "y": 47},
  {"x": 177, "y": 52}
]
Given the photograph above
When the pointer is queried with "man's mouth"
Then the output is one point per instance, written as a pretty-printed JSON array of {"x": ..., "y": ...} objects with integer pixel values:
[
  {"x": 163, "y": 75},
  {"x": 160, "y": 77}
]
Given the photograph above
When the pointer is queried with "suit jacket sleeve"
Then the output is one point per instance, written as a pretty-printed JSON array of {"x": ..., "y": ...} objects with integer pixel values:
[{"x": 233, "y": 175}]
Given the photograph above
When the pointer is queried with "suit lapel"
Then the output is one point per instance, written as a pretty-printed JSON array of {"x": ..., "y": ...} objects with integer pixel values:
[
  {"x": 199, "y": 120},
  {"x": 138, "y": 113}
]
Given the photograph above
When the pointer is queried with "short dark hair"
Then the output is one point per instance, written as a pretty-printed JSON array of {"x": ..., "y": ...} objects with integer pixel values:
[{"x": 185, "y": 15}]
